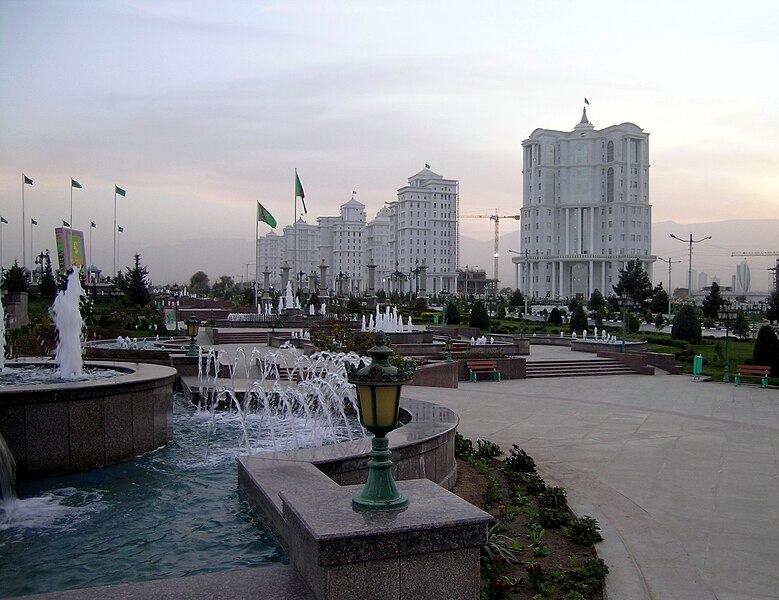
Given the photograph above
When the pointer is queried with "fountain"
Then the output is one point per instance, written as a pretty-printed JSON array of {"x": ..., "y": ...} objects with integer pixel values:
[{"x": 76, "y": 418}]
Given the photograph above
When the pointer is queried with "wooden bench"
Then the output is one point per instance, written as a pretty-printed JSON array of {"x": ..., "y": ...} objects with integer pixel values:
[
  {"x": 483, "y": 366},
  {"x": 756, "y": 371}
]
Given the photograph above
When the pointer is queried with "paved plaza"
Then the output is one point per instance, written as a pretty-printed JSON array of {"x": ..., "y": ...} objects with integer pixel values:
[{"x": 683, "y": 475}]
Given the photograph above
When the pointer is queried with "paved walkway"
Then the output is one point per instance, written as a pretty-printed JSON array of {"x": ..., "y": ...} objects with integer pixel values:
[{"x": 682, "y": 475}]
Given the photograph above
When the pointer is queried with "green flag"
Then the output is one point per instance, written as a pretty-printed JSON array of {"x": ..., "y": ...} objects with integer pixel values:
[
  {"x": 120, "y": 229},
  {"x": 427, "y": 166},
  {"x": 33, "y": 222},
  {"x": 264, "y": 216},
  {"x": 92, "y": 225},
  {"x": 65, "y": 224},
  {"x": 74, "y": 183},
  {"x": 299, "y": 191},
  {"x": 27, "y": 180},
  {"x": 2, "y": 220},
  {"x": 118, "y": 190}
]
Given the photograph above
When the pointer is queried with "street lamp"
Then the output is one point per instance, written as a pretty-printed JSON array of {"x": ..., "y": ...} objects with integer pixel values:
[
  {"x": 727, "y": 314},
  {"x": 449, "y": 346},
  {"x": 193, "y": 326},
  {"x": 689, "y": 266},
  {"x": 378, "y": 391}
]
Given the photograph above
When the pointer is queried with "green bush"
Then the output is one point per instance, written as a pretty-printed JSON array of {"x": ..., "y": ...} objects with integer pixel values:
[
  {"x": 686, "y": 325},
  {"x": 578, "y": 319},
  {"x": 766, "y": 352},
  {"x": 584, "y": 531},
  {"x": 479, "y": 317},
  {"x": 555, "y": 317}
]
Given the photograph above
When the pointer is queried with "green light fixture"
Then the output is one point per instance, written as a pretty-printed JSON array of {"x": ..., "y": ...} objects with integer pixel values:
[
  {"x": 378, "y": 392},
  {"x": 193, "y": 326}
]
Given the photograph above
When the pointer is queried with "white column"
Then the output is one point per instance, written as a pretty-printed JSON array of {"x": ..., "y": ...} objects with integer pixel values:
[
  {"x": 590, "y": 272},
  {"x": 580, "y": 233},
  {"x": 567, "y": 228},
  {"x": 530, "y": 272},
  {"x": 560, "y": 270},
  {"x": 603, "y": 278},
  {"x": 593, "y": 212},
  {"x": 516, "y": 276}
]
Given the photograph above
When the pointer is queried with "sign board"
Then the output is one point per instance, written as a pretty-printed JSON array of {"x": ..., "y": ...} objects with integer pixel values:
[{"x": 70, "y": 248}]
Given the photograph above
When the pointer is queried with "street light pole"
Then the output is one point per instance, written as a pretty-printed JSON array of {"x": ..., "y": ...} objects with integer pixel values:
[
  {"x": 689, "y": 268},
  {"x": 670, "y": 262}
]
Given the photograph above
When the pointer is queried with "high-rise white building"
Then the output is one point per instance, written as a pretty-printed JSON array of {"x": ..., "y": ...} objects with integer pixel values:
[
  {"x": 585, "y": 210},
  {"x": 342, "y": 245},
  {"x": 424, "y": 230},
  {"x": 743, "y": 278},
  {"x": 377, "y": 247},
  {"x": 301, "y": 252},
  {"x": 270, "y": 256}
]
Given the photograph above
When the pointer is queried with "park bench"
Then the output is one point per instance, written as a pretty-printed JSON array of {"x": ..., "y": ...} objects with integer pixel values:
[
  {"x": 483, "y": 366},
  {"x": 756, "y": 371}
]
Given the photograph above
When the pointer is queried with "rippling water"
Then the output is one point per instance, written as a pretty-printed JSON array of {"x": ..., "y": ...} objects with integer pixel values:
[{"x": 172, "y": 513}]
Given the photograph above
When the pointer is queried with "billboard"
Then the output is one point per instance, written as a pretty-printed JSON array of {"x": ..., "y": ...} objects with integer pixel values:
[{"x": 70, "y": 247}]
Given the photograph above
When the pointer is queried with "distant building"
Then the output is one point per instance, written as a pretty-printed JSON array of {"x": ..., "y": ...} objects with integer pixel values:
[
  {"x": 377, "y": 246},
  {"x": 343, "y": 247},
  {"x": 743, "y": 278},
  {"x": 424, "y": 230},
  {"x": 585, "y": 210},
  {"x": 703, "y": 280},
  {"x": 270, "y": 256}
]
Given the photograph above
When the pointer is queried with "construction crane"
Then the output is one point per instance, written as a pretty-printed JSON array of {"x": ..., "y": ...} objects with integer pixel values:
[
  {"x": 494, "y": 217},
  {"x": 764, "y": 253}
]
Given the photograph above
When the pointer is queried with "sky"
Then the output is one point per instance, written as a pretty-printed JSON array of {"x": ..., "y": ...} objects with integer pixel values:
[{"x": 200, "y": 109}]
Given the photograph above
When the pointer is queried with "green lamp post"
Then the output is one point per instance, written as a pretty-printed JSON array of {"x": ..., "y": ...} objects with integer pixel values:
[
  {"x": 193, "y": 326},
  {"x": 378, "y": 392},
  {"x": 449, "y": 346},
  {"x": 727, "y": 314}
]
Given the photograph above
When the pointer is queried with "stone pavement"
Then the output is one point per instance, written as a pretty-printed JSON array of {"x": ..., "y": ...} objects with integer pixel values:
[{"x": 682, "y": 475}]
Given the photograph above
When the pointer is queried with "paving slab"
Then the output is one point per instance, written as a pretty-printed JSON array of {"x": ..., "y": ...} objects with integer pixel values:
[{"x": 683, "y": 474}]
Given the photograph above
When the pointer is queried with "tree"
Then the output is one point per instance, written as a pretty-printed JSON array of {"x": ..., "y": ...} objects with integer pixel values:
[
  {"x": 659, "y": 302},
  {"x": 578, "y": 319},
  {"x": 199, "y": 284},
  {"x": 766, "y": 352},
  {"x": 634, "y": 282},
  {"x": 686, "y": 325},
  {"x": 223, "y": 287},
  {"x": 137, "y": 283},
  {"x": 613, "y": 304},
  {"x": 772, "y": 314},
  {"x": 596, "y": 301},
  {"x": 452, "y": 314},
  {"x": 713, "y": 302},
  {"x": 48, "y": 282},
  {"x": 517, "y": 299},
  {"x": 555, "y": 318},
  {"x": 573, "y": 303},
  {"x": 479, "y": 317},
  {"x": 740, "y": 327},
  {"x": 659, "y": 321},
  {"x": 500, "y": 312},
  {"x": 15, "y": 279}
]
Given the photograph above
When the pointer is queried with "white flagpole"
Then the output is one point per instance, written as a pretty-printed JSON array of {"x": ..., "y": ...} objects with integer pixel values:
[
  {"x": 32, "y": 260},
  {"x": 256, "y": 243},
  {"x": 69, "y": 253},
  {"x": 89, "y": 260},
  {"x": 24, "y": 241},
  {"x": 295, "y": 230},
  {"x": 114, "y": 273}
]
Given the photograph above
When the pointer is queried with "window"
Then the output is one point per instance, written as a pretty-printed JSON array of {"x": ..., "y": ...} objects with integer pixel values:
[{"x": 610, "y": 152}]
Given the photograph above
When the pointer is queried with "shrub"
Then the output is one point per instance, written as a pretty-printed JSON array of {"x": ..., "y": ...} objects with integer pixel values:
[
  {"x": 479, "y": 317},
  {"x": 532, "y": 483},
  {"x": 584, "y": 531},
  {"x": 15, "y": 279},
  {"x": 578, "y": 319},
  {"x": 486, "y": 449},
  {"x": 518, "y": 461},
  {"x": 463, "y": 447},
  {"x": 552, "y": 518},
  {"x": 553, "y": 497},
  {"x": 686, "y": 325},
  {"x": 766, "y": 350},
  {"x": 555, "y": 318},
  {"x": 452, "y": 314}
]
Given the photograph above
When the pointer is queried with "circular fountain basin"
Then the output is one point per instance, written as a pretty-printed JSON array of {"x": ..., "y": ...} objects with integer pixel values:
[{"x": 71, "y": 426}]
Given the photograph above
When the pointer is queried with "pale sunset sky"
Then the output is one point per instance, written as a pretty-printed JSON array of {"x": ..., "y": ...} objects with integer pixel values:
[{"x": 200, "y": 109}]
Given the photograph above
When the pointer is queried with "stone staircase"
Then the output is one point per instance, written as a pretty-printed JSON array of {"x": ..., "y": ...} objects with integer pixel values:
[
  {"x": 577, "y": 368},
  {"x": 238, "y": 336}
]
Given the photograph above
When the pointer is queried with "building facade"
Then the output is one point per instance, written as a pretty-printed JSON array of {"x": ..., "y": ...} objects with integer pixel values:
[
  {"x": 585, "y": 209},
  {"x": 424, "y": 231}
]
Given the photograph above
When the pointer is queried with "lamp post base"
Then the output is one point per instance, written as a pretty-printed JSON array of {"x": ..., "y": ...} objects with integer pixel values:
[
  {"x": 380, "y": 492},
  {"x": 726, "y": 374}
]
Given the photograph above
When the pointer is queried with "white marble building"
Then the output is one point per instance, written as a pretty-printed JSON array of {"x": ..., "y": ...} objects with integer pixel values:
[{"x": 585, "y": 209}]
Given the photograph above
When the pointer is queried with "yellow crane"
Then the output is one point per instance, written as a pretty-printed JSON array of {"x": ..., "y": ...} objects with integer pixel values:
[{"x": 494, "y": 217}]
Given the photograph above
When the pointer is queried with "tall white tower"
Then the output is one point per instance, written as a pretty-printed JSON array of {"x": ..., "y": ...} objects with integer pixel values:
[{"x": 742, "y": 277}]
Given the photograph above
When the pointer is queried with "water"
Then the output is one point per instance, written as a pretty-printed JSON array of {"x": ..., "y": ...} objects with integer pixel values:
[
  {"x": 172, "y": 513},
  {"x": 36, "y": 374},
  {"x": 67, "y": 319}
]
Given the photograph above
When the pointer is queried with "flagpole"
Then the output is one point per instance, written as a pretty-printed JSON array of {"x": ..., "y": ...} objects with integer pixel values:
[
  {"x": 89, "y": 260},
  {"x": 114, "y": 273},
  {"x": 24, "y": 240},
  {"x": 31, "y": 259},
  {"x": 256, "y": 243},
  {"x": 70, "y": 228},
  {"x": 295, "y": 230}
]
